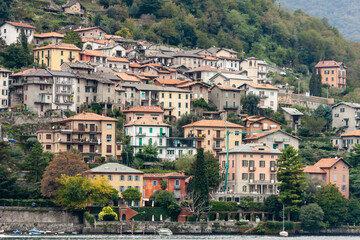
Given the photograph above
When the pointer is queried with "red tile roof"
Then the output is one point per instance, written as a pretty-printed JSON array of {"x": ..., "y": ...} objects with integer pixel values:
[
  {"x": 147, "y": 121},
  {"x": 169, "y": 81},
  {"x": 95, "y": 53},
  {"x": 18, "y": 24},
  {"x": 49, "y": 34},
  {"x": 205, "y": 68},
  {"x": 117, "y": 59},
  {"x": 313, "y": 169},
  {"x": 164, "y": 175},
  {"x": 327, "y": 162},
  {"x": 262, "y": 86},
  {"x": 148, "y": 74},
  {"x": 326, "y": 64},
  {"x": 355, "y": 133},
  {"x": 24, "y": 72},
  {"x": 213, "y": 123},
  {"x": 89, "y": 116},
  {"x": 135, "y": 65},
  {"x": 227, "y": 88},
  {"x": 64, "y": 46},
  {"x": 126, "y": 77},
  {"x": 149, "y": 109},
  {"x": 87, "y": 29}
]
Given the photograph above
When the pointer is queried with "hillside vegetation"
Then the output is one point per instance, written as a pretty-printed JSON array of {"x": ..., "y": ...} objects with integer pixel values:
[
  {"x": 343, "y": 14},
  {"x": 252, "y": 27}
]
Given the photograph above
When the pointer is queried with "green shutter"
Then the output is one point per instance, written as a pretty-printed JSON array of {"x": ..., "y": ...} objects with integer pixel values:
[
  {"x": 140, "y": 141},
  {"x": 150, "y": 130},
  {"x": 161, "y": 131}
]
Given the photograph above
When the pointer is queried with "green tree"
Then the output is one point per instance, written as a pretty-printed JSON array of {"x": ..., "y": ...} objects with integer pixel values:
[
  {"x": 354, "y": 157},
  {"x": 311, "y": 217},
  {"x": 163, "y": 184},
  {"x": 24, "y": 40},
  {"x": 292, "y": 180},
  {"x": 36, "y": 162},
  {"x": 332, "y": 203},
  {"x": 233, "y": 117},
  {"x": 251, "y": 103},
  {"x": 162, "y": 198},
  {"x": 353, "y": 216},
  {"x": 200, "y": 181},
  {"x": 315, "y": 84},
  {"x": 149, "y": 153},
  {"x": 8, "y": 186},
  {"x": 73, "y": 37},
  {"x": 5, "y": 155},
  {"x": 184, "y": 120},
  {"x": 127, "y": 155},
  {"x": 212, "y": 167},
  {"x": 150, "y": 6},
  {"x": 185, "y": 163},
  {"x": 273, "y": 205},
  {"x": 15, "y": 57},
  {"x": 131, "y": 195},
  {"x": 108, "y": 214}
]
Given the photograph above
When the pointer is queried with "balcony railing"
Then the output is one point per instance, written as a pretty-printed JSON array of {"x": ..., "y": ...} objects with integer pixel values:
[
  {"x": 140, "y": 134},
  {"x": 252, "y": 168},
  {"x": 230, "y": 107},
  {"x": 216, "y": 147}
]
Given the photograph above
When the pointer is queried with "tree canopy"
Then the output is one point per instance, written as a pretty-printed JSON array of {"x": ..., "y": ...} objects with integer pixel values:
[{"x": 73, "y": 37}]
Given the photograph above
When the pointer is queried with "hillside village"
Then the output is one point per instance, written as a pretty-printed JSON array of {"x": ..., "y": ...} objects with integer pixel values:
[{"x": 135, "y": 111}]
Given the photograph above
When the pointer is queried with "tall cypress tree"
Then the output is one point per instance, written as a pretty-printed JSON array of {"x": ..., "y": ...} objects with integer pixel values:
[
  {"x": 319, "y": 84},
  {"x": 312, "y": 83},
  {"x": 200, "y": 182}
]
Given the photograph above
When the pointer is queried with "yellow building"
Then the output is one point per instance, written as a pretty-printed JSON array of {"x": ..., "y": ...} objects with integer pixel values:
[
  {"x": 53, "y": 55},
  {"x": 211, "y": 134},
  {"x": 175, "y": 102},
  {"x": 92, "y": 134},
  {"x": 121, "y": 178}
]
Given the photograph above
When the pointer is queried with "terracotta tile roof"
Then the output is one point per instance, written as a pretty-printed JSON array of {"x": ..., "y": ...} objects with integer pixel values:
[
  {"x": 148, "y": 74},
  {"x": 226, "y": 88},
  {"x": 49, "y": 34},
  {"x": 64, "y": 46},
  {"x": 117, "y": 59},
  {"x": 147, "y": 121},
  {"x": 327, "y": 162},
  {"x": 87, "y": 29},
  {"x": 230, "y": 58},
  {"x": 355, "y": 133},
  {"x": 95, "y": 53},
  {"x": 169, "y": 81},
  {"x": 89, "y": 116},
  {"x": 327, "y": 64},
  {"x": 170, "y": 69},
  {"x": 164, "y": 175},
  {"x": 162, "y": 71},
  {"x": 148, "y": 109},
  {"x": 18, "y": 24},
  {"x": 135, "y": 65},
  {"x": 108, "y": 36},
  {"x": 313, "y": 169},
  {"x": 210, "y": 58},
  {"x": 213, "y": 123},
  {"x": 153, "y": 65},
  {"x": 27, "y": 71},
  {"x": 262, "y": 86},
  {"x": 126, "y": 77},
  {"x": 205, "y": 68}
]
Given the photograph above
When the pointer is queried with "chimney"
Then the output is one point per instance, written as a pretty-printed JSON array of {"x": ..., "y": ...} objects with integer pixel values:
[{"x": 169, "y": 171}]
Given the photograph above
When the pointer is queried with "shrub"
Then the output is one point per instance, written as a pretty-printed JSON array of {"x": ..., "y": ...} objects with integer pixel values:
[
  {"x": 107, "y": 214},
  {"x": 90, "y": 218},
  {"x": 223, "y": 206}
]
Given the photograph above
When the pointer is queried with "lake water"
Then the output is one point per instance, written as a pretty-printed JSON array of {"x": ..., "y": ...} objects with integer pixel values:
[{"x": 175, "y": 237}]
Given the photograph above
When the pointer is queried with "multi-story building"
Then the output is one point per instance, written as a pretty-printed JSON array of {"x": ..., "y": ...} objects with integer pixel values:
[
  {"x": 175, "y": 184},
  {"x": 188, "y": 59},
  {"x": 251, "y": 67},
  {"x": 268, "y": 94},
  {"x": 96, "y": 33},
  {"x": 203, "y": 73},
  {"x": 53, "y": 55},
  {"x": 332, "y": 73},
  {"x": 122, "y": 64},
  {"x": 222, "y": 52},
  {"x": 74, "y": 7},
  {"x": 292, "y": 117},
  {"x": 211, "y": 134},
  {"x": 225, "y": 98},
  {"x": 10, "y": 31},
  {"x": 304, "y": 100},
  {"x": 229, "y": 63},
  {"x": 138, "y": 112},
  {"x": 93, "y": 56},
  {"x": 234, "y": 80},
  {"x": 121, "y": 177},
  {"x": 197, "y": 90},
  {"x": 115, "y": 51},
  {"x": 147, "y": 130},
  {"x": 347, "y": 141},
  {"x": 346, "y": 115},
  {"x": 4, "y": 88},
  {"x": 251, "y": 173},
  {"x": 275, "y": 139},
  {"x": 331, "y": 170},
  {"x": 51, "y": 37},
  {"x": 92, "y": 134},
  {"x": 254, "y": 125}
]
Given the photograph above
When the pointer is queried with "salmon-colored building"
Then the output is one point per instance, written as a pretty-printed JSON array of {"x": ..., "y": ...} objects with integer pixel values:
[
  {"x": 252, "y": 172},
  {"x": 138, "y": 112},
  {"x": 175, "y": 184},
  {"x": 332, "y": 73},
  {"x": 255, "y": 125},
  {"x": 331, "y": 170}
]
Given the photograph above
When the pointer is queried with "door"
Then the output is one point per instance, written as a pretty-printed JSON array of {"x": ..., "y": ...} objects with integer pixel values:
[{"x": 198, "y": 144}]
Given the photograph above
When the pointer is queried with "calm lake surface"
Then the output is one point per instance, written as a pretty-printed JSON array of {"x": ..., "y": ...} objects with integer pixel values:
[{"x": 145, "y": 237}]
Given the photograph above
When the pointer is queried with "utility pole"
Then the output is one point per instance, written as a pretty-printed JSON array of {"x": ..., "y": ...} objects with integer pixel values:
[{"x": 299, "y": 91}]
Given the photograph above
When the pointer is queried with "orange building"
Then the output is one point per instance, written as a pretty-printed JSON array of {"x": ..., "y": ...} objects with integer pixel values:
[
  {"x": 93, "y": 56},
  {"x": 175, "y": 184},
  {"x": 331, "y": 170},
  {"x": 254, "y": 124},
  {"x": 332, "y": 73}
]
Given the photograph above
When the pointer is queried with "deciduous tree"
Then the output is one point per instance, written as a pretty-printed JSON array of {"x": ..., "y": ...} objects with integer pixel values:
[
  {"x": 311, "y": 217},
  {"x": 251, "y": 103},
  {"x": 73, "y": 37},
  {"x": 131, "y": 195}
]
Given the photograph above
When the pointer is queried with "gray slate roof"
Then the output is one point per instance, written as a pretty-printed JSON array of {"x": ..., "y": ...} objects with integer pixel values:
[
  {"x": 292, "y": 111},
  {"x": 151, "y": 87},
  {"x": 248, "y": 148},
  {"x": 114, "y": 168},
  {"x": 61, "y": 73},
  {"x": 4, "y": 70},
  {"x": 350, "y": 104}
]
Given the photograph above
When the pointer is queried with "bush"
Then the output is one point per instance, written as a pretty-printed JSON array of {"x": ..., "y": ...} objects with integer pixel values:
[
  {"x": 223, "y": 206},
  {"x": 192, "y": 219},
  {"x": 311, "y": 217},
  {"x": 90, "y": 218},
  {"x": 146, "y": 213},
  {"x": 107, "y": 214}
]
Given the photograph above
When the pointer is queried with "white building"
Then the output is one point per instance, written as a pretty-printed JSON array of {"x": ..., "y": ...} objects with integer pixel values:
[
  {"x": 10, "y": 31},
  {"x": 268, "y": 94},
  {"x": 148, "y": 130},
  {"x": 4, "y": 88}
]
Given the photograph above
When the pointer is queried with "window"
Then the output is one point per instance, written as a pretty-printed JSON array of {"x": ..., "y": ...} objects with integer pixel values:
[
  {"x": 262, "y": 177},
  {"x": 48, "y": 147},
  {"x": 244, "y": 176},
  {"x": 160, "y": 142},
  {"x": 179, "y": 105},
  {"x": 110, "y": 177},
  {"x": 335, "y": 178},
  {"x": 48, "y": 136},
  {"x": 122, "y": 178},
  {"x": 261, "y": 156},
  {"x": 121, "y": 188},
  {"x": 129, "y": 177},
  {"x": 236, "y": 143},
  {"x": 343, "y": 187},
  {"x": 233, "y": 176},
  {"x": 244, "y": 163},
  {"x": 170, "y": 95},
  {"x": 140, "y": 141},
  {"x": 179, "y": 95},
  {"x": 108, "y": 148},
  {"x": 151, "y": 130},
  {"x": 108, "y": 138},
  {"x": 344, "y": 178},
  {"x": 108, "y": 126},
  {"x": 262, "y": 163},
  {"x": 137, "y": 178},
  {"x": 154, "y": 183}
]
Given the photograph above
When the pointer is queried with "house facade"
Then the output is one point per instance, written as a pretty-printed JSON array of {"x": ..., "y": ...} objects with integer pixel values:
[
  {"x": 4, "y": 88},
  {"x": 138, "y": 112},
  {"x": 268, "y": 94},
  {"x": 255, "y": 125},
  {"x": 332, "y": 73},
  {"x": 252, "y": 172},
  {"x": 54, "y": 55},
  {"x": 96, "y": 33},
  {"x": 346, "y": 115},
  {"x": 211, "y": 134},
  {"x": 197, "y": 90},
  {"x": 347, "y": 141},
  {"x": 225, "y": 98},
  {"x": 10, "y": 31},
  {"x": 331, "y": 170},
  {"x": 120, "y": 177},
  {"x": 292, "y": 117},
  {"x": 51, "y": 38},
  {"x": 92, "y": 134},
  {"x": 234, "y": 80}
]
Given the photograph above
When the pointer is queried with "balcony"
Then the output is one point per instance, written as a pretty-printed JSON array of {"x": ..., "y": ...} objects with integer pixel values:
[
  {"x": 140, "y": 134},
  {"x": 177, "y": 187},
  {"x": 216, "y": 147},
  {"x": 81, "y": 140},
  {"x": 272, "y": 169},
  {"x": 161, "y": 135},
  {"x": 71, "y": 59},
  {"x": 42, "y": 101},
  {"x": 251, "y": 168},
  {"x": 219, "y": 138},
  {"x": 47, "y": 56},
  {"x": 278, "y": 140},
  {"x": 169, "y": 108},
  {"x": 230, "y": 107},
  {"x": 272, "y": 181},
  {"x": 263, "y": 96},
  {"x": 64, "y": 92}
]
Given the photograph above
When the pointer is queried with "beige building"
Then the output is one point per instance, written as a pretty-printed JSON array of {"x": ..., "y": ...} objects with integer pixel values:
[
  {"x": 53, "y": 55},
  {"x": 346, "y": 115},
  {"x": 189, "y": 60},
  {"x": 175, "y": 102},
  {"x": 347, "y": 140},
  {"x": 197, "y": 90},
  {"x": 51, "y": 38},
  {"x": 121, "y": 177},
  {"x": 234, "y": 80},
  {"x": 138, "y": 112},
  {"x": 96, "y": 33},
  {"x": 74, "y": 7},
  {"x": 274, "y": 139},
  {"x": 211, "y": 134},
  {"x": 4, "y": 88},
  {"x": 225, "y": 98},
  {"x": 203, "y": 73},
  {"x": 92, "y": 134}
]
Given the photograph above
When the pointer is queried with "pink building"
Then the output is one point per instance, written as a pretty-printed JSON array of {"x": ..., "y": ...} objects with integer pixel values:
[
  {"x": 331, "y": 170},
  {"x": 252, "y": 172}
]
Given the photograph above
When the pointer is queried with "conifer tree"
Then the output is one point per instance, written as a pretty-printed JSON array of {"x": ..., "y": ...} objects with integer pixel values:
[{"x": 200, "y": 183}]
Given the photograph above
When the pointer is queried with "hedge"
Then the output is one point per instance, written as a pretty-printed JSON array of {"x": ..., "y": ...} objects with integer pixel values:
[
  {"x": 223, "y": 206},
  {"x": 27, "y": 202},
  {"x": 146, "y": 213}
]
